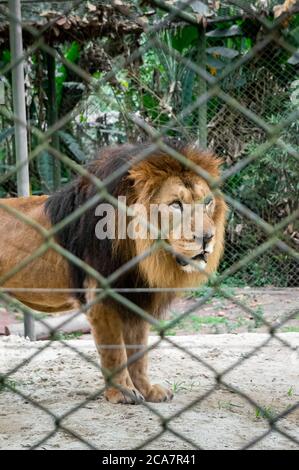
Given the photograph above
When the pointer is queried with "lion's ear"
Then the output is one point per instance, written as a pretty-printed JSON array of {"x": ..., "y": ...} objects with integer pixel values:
[
  {"x": 206, "y": 160},
  {"x": 144, "y": 173},
  {"x": 137, "y": 175}
]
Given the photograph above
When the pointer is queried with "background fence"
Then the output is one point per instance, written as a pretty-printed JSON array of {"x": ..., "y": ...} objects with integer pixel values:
[{"x": 224, "y": 74}]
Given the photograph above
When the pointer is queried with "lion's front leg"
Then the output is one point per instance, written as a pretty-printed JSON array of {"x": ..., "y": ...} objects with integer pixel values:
[
  {"x": 107, "y": 330},
  {"x": 136, "y": 334}
]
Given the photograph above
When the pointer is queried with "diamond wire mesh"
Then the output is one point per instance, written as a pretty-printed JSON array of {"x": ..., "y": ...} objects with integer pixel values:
[{"x": 246, "y": 114}]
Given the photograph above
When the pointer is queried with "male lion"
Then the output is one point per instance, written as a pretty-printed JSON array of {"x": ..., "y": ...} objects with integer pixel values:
[{"x": 157, "y": 178}]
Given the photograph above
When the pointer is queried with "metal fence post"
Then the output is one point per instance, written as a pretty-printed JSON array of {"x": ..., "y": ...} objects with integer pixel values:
[
  {"x": 19, "y": 108},
  {"x": 202, "y": 88},
  {"x": 53, "y": 115}
]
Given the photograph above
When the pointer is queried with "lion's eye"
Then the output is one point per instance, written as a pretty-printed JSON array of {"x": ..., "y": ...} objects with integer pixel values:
[
  {"x": 177, "y": 205},
  {"x": 208, "y": 200}
]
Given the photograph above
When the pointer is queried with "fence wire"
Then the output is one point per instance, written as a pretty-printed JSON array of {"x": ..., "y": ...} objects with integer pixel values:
[{"x": 224, "y": 75}]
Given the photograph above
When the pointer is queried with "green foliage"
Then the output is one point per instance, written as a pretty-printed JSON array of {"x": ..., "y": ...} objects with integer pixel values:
[
  {"x": 5, "y": 57},
  {"x": 71, "y": 54},
  {"x": 268, "y": 184},
  {"x": 182, "y": 39}
]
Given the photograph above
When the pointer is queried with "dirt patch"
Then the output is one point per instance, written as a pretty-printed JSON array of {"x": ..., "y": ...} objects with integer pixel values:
[
  {"x": 59, "y": 379},
  {"x": 218, "y": 314}
]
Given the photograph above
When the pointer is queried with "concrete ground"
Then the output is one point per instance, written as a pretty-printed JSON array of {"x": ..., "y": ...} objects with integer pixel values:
[{"x": 59, "y": 379}]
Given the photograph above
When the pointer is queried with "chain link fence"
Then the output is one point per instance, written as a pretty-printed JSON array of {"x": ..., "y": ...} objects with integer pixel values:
[{"x": 222, "y": 74}]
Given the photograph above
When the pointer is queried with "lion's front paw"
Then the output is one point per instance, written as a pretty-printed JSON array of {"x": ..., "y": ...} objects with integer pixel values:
[
  {"x": 158, "y": 394},
  {"x": 126, "y": 395}
]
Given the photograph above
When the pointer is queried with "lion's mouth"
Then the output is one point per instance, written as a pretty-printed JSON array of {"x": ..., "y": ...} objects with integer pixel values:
[{"x": 182, "y": 261}]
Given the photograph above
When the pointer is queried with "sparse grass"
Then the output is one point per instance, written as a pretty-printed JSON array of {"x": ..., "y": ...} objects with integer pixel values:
[
  {"x": 206, "y": 289},
  {"x": 37, "y": 315},
  {"x": 210, "y": 320},
  {"x": 202, "y": 291},
  {"x": 240, "y": 321},
  {"x": 170, "y": 332},
  {"x": 180, "y": 386},
  {"x": 177, "y": 386},
  {"x": 192, "y": 323},
  {"x": 291, "y": 329},
  {"x": 259, "y": 317},
  {"x": 291, "y": 391},
  {"x": 197, "y": 322},
  {"x": 228, "y": 405},
  {"x": 265, "y": 413},
  {"x": 60, "y": 336},
  {"x": 7, "y": 384}
]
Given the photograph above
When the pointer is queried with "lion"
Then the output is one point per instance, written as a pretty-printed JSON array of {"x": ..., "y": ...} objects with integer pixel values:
[{"x": 120, "y": 334}]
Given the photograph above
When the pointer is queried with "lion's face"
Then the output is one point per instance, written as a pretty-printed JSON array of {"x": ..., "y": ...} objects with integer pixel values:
[
  {"x": 185, "y": 196},
  {"x": 190, "y": 206}
]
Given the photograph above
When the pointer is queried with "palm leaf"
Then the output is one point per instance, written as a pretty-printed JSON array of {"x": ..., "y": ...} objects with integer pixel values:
[
  {"x": 73, "y": 146},
  {"x": 45, "y": 166},
  {"x": 6, "y": 133}
]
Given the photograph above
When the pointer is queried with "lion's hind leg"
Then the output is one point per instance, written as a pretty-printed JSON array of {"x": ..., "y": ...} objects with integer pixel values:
[{"x": 107, "y": 329}]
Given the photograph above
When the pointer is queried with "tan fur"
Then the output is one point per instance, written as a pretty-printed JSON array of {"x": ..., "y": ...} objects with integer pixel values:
[{"x": 18, "y": 241}]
